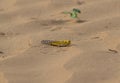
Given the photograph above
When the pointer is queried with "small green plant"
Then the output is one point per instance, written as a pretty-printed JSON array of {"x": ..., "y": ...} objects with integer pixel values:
[{"x": 74, "y": 13}]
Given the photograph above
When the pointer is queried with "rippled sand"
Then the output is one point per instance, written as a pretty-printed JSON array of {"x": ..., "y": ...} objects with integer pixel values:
[{"x": 93, "y": 57}]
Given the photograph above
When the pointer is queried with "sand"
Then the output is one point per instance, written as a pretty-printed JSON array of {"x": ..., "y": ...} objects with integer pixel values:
[{"x": 92, "y": 57}]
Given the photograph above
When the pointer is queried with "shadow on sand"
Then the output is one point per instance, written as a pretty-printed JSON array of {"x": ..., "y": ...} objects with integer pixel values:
[
  {"x": 59, "y": 22},
  {"x": 81, "y": 21},
  {"x": 54, "y": 22}
]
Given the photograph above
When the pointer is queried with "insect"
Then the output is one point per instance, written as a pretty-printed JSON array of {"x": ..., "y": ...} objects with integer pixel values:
[
  {"x": 61, "y": 43},
  {"x": 74, "y": 13}
]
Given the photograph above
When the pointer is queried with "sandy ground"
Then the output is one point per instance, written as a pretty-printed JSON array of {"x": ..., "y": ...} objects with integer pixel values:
[{"x": 93, "y": 57}]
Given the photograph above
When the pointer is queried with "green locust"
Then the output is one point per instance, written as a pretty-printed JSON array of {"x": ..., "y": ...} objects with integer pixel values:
[{"x": 74, "y": 13}]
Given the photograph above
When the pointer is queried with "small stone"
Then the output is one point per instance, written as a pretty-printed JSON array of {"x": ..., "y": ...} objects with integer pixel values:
[{"x": 114, "y": 51}]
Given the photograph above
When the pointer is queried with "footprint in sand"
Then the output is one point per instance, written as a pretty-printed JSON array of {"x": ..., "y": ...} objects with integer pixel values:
[
  {"x": 8, "y": 34},
  {"x": 2, "y": 34},
  {"x": 1, "y": 52}
]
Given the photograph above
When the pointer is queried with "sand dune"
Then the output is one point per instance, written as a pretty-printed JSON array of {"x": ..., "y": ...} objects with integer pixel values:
[{"x": 93, "y": 57}]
